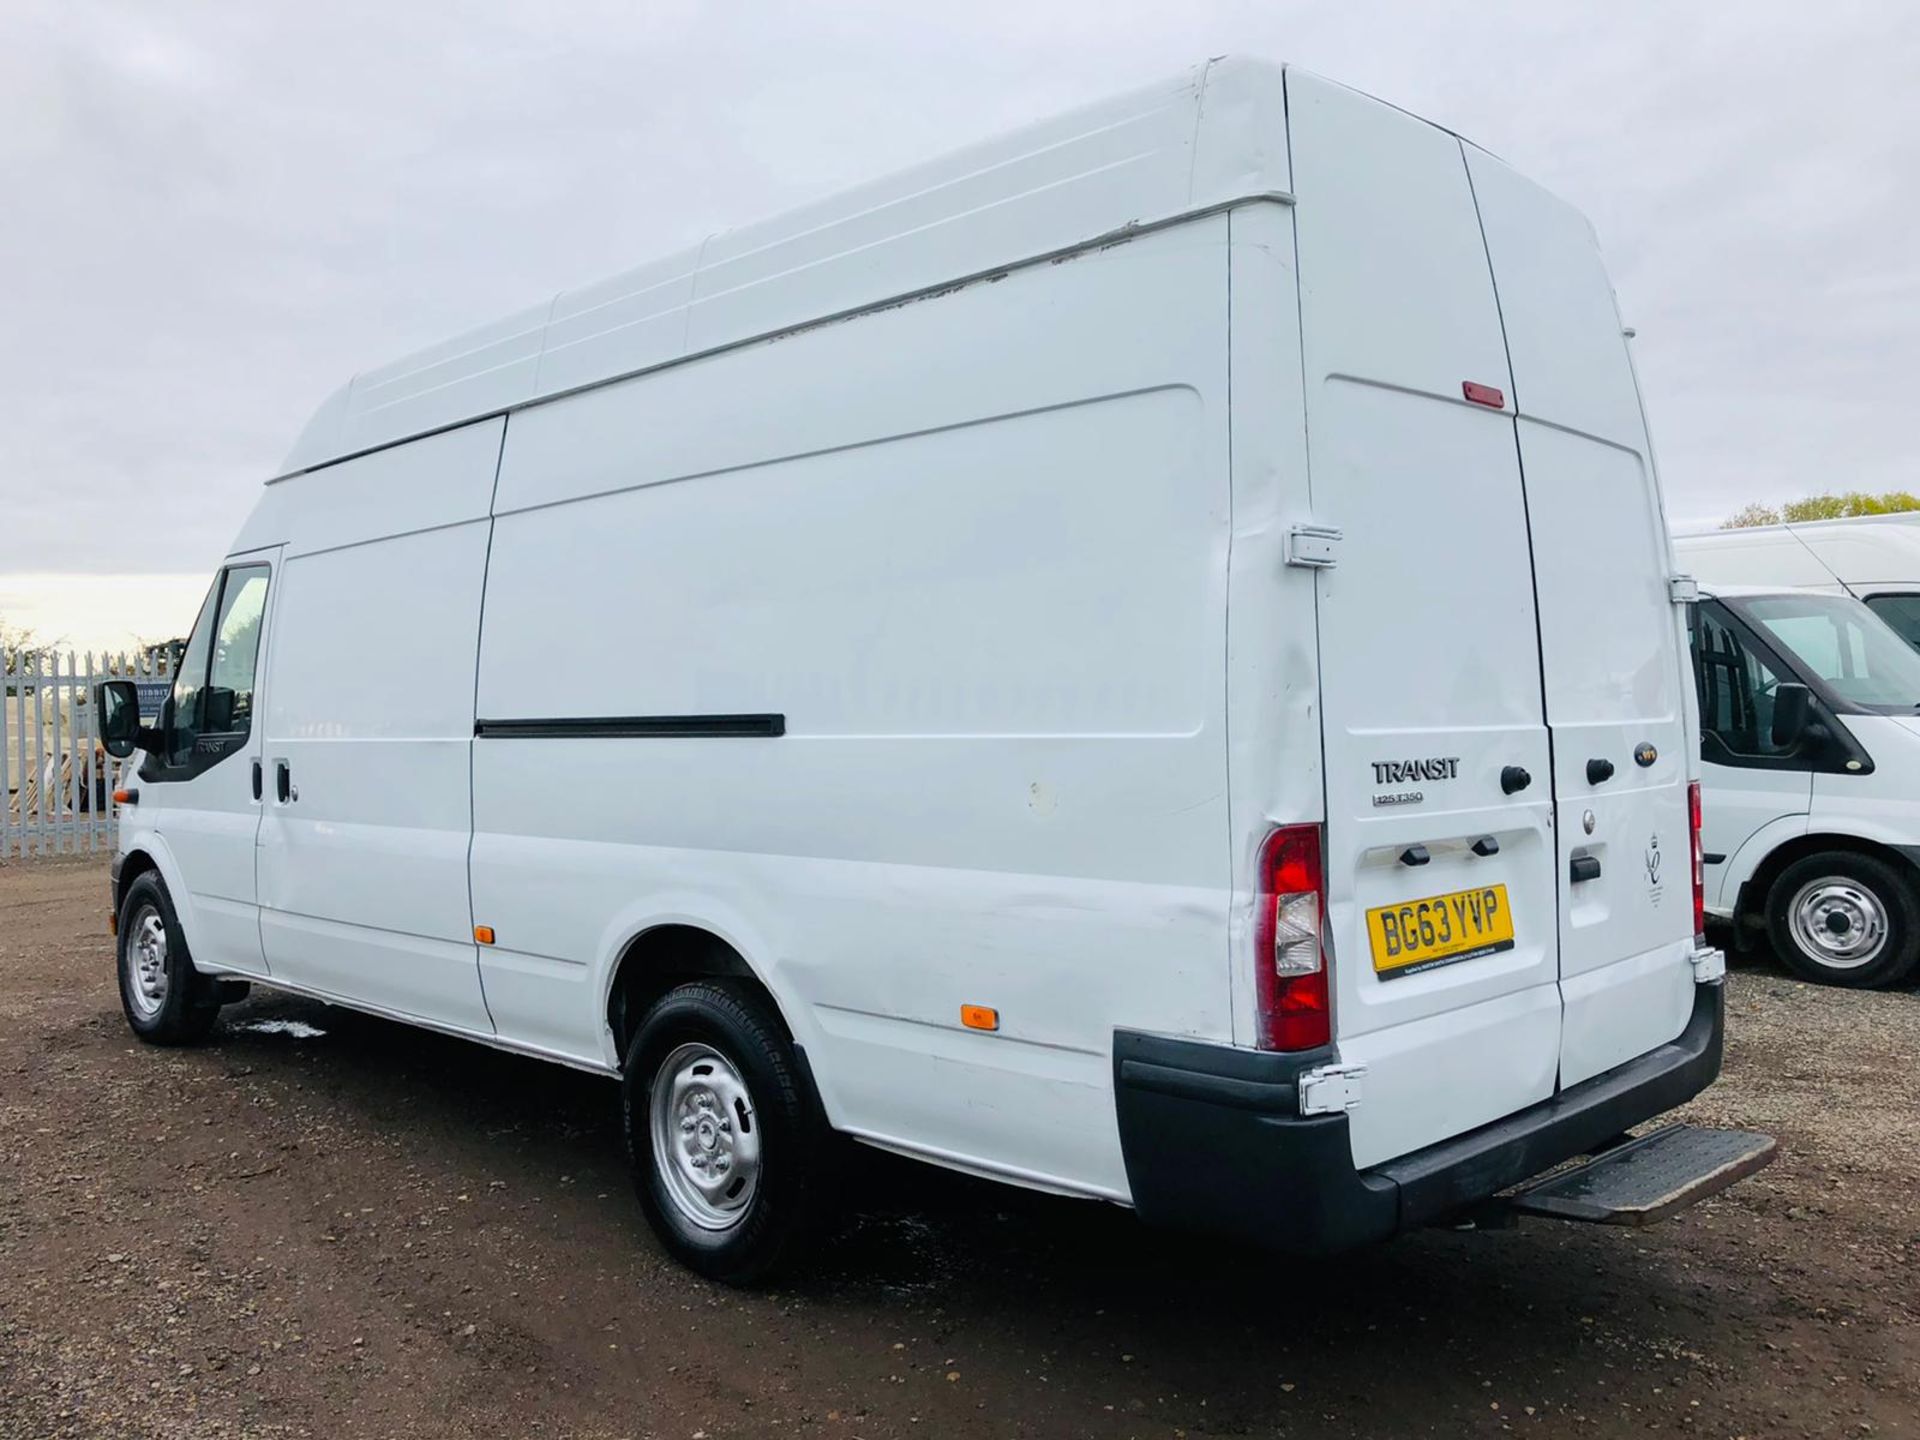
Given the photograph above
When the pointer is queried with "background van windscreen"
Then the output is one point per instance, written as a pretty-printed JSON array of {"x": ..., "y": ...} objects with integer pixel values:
[{"x": 1841, "y": 642}]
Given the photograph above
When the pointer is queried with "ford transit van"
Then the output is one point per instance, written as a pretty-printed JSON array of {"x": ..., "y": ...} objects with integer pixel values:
[
  {"x": 1139, "y": 660},
  {"x": 1810, "y": 742}
]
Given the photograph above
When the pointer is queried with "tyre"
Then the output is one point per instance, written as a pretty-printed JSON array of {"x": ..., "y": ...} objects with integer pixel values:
[
  {"x": 1842, "y": 918},
  {"x": 732, "y": 1156},
  {"x": 167, "y": 1001}
]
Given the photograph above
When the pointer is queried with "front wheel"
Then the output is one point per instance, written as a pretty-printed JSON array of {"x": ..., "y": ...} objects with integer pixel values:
[
  {"x": 1842, "y": 918},
  {"x": 732, "y": 1157},
  {"x": 165, "y": 999}
]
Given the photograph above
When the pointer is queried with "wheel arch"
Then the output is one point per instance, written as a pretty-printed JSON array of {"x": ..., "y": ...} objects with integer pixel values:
[
  {"x": 133, "y": 865},
  {"x": 146, "y": 854},
  {"x": 1754, "y": 891},
  {"x": 659, "y": 958},
  {"x": 649, "y": 955}
]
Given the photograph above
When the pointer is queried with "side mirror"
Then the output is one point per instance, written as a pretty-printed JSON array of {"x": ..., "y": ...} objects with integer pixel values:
[
  {"x": 117, "y": 703},
  {"x": 1792, "y": 714},
  {"x": 217, "y": 710}
]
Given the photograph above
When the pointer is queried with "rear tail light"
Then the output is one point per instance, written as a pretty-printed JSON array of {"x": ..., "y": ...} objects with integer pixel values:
[
  {"x": 1699, "y": 861},
  {"x": 1290, "y": 963}
]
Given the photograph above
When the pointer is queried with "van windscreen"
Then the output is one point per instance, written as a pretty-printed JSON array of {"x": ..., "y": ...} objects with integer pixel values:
[{"x": 1838, "y": 641}]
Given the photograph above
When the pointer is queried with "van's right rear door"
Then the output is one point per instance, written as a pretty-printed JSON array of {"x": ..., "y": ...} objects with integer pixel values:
[
  {"x": 1429, "y": 651},
  {"x": 1616, "y": 681}
]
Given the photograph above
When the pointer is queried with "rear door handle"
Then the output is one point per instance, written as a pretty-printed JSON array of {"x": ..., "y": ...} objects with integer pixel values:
[
  {"x": 1599, "y": 771},
  {"x": 1585, "y": 867}
]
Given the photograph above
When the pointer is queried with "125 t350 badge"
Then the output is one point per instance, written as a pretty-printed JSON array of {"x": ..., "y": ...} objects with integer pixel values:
[{"x": 1402, "y": 772}]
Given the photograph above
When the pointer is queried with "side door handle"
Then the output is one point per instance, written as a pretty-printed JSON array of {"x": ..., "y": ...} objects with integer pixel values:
[
  {"x": 283, "y": 783},
  {"x": 1584, "y": 867},
  {"x": 258, "y": 767}
]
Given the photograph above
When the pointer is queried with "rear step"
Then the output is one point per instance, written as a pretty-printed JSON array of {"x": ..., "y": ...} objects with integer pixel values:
[{"x": 1648, "y": 1178}]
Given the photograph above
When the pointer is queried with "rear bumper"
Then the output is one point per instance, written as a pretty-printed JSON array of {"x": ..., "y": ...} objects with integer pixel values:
[{"x": 1214, "y": 1140}]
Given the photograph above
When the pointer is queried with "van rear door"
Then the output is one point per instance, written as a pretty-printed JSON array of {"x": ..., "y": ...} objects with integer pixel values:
[
  {"x": 1613, "y": 644},
  {"x": 1440, "y": 857}
]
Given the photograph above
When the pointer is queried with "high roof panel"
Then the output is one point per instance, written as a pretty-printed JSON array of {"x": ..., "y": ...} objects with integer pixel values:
[{"x": 1214, "y": 136}]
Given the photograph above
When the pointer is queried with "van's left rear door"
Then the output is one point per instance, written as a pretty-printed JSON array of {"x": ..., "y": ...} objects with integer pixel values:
[{"x": 1440, "y": 851}]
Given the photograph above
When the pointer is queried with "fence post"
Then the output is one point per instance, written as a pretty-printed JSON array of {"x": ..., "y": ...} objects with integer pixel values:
[
  {"x": 39, "y": 753},
  {"x": 59, "y": 753},
  {"x": 90, "y": 792},
  {"x": 22, "y": 775},
  {"x": 6, "y": 765},
  {"x": 76, "y": 720}
]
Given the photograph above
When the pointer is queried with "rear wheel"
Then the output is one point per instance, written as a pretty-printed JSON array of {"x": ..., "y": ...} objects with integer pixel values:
[
  {"x": 1842, "y": 918},
  {"x": 732, "y": 1157},
  {"x": 167, "y": 1002}
]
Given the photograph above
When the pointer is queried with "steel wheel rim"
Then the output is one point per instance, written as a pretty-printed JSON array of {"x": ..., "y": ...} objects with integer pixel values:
[
  {"x": 1839, "y": 923},
  {"x": 146, "y": 962},
  {"x": 705, "y": 1136}
]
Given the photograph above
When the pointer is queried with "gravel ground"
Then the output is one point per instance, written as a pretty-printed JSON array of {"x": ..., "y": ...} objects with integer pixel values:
[{"x": 326, "y": 1225}]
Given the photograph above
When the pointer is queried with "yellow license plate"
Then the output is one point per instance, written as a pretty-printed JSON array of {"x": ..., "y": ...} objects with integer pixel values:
[{"x": 1440, "y": 930}]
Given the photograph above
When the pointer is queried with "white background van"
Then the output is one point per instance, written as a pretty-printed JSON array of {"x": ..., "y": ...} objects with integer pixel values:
[
  {"x": 1874, "y": 558},
  {"x": 1137, "y": 660},
  {"x": 1810, "y": 741}
]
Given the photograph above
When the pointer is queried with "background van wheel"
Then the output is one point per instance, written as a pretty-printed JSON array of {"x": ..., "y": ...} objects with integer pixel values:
[
  {"x": 167, "y": 1002},
  {"x": 1845, "y": 919},
  {"x": 732, "y": 1156}
]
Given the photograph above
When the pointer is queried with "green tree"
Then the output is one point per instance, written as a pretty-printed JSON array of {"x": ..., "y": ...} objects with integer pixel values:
[
  {"x": 1840, "y": 506},
  {"x": 1750, "y": 515},
  {"x": 1851, "y": 502}
]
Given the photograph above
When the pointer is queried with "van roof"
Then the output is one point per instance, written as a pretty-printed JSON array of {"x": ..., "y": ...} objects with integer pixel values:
[
  {"x": 1747, "y": 592},
  {"x": 1215, "y": 137},
  {"x": 1898, "y": 517}
]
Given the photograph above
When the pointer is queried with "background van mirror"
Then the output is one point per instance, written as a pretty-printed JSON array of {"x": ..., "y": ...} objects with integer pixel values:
[{"x": 1792, "y": 714}]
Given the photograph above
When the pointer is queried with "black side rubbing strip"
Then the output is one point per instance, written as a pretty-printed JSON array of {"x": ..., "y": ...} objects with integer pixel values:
[{"x": 612, "y": 727}]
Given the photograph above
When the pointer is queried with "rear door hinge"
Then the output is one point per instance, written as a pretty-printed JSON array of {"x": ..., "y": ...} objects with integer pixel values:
[
  {"x": 1330, "y": 1089},
  {"x": 1316, "y": 547},
  {"x": 1709, "y": 964},
  {"x": 1683, "y": 589}
]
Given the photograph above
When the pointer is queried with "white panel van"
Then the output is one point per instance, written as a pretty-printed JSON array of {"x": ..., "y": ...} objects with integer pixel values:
[
  {"x": 1874, "y": 558},
  {"x": 1137, "y": 660},
  {"x": 1810, "y": 743}
]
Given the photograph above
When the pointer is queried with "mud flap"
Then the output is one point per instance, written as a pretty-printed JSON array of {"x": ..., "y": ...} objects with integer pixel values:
[{"x": 1648, "y": 1178}]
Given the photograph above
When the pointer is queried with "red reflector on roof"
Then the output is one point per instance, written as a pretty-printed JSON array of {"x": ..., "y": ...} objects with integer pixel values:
[{"x": 1483, "y": 394}]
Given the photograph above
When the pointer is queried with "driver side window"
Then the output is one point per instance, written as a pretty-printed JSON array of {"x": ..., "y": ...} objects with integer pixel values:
[
  {"x": 1737, "y": 686},
  {"x": 183, "y": 720},
  {"x": 212, "y": 707}
]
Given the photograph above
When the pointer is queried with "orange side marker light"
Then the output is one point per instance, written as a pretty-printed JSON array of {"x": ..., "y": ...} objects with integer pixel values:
[
  {"x": 484, "y": 934},
  {"x": 979, "y": 1017}
]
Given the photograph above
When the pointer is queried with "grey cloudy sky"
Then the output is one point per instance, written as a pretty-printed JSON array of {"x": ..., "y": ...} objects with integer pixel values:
[{"x": 215, "y": 212}]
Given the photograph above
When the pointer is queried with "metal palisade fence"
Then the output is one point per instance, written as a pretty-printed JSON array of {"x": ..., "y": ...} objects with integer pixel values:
[{"x": 56, "y": 779}]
